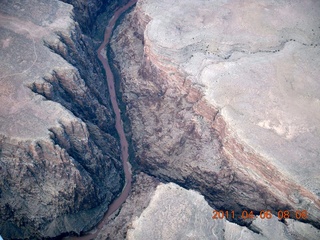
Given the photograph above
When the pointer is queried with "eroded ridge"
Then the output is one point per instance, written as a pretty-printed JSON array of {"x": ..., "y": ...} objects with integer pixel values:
[{"x": 60, "y": 158}]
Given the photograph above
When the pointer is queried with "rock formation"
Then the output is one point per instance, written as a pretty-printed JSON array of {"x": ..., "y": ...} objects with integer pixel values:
[
  {"x": 223, "y": 98},
  {"x": 143, "y": 190},
  {"x": 59, "y": 152},
  {"x": 175, "y": 213}
]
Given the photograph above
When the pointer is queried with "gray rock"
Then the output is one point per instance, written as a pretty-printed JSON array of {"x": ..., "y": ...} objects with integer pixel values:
[
  {"x": 59, "y": 153},
  {"x": 222, "y": 97},
  {"x": 176, "y": 213},
  {"x": 116, "y": 228}
]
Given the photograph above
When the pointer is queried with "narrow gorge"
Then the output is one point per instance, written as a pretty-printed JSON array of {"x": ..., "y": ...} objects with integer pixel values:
[{"x": 214, "y": 103}]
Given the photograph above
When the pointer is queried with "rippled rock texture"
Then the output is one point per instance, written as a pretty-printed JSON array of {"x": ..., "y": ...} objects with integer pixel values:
[
  {"x": 223, "y": 97},
  {"x": 59, "y": 153}
]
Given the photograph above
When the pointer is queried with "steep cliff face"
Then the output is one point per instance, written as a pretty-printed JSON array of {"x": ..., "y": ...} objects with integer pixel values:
[
  {"x": 199, "y": 120},
  {"x": 174, "y": 213},
  {"x": 59, "y": 152},
  {"x": 86, "y": 13},
  {"x": 218, "y": 101}
]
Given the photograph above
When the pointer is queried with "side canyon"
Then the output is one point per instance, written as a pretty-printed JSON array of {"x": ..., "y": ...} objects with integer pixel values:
[
  {"x": 223, "y": 98},
  {"x": 220, "y": 106}
]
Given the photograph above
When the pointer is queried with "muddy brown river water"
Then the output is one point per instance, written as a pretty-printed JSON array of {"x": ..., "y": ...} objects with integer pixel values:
[{"x": 116, "y": 204}]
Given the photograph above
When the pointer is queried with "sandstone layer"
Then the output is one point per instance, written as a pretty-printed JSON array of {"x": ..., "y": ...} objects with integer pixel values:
[
  {"x": 223, "y": 97},
  {"x": 59, "y": 151}
]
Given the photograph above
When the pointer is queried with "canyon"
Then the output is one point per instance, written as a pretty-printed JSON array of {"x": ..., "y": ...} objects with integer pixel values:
[
  {"x": 223, "y": 98},
  {"x": 219, "y": 102},
  {"x": 60, "y": 153}
]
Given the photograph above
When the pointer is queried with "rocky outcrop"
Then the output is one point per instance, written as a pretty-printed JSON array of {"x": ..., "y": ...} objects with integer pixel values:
[
  {"x": 175, "y": 213},
  {"x": 208, "y": 97},
  {"x": 59, "y": 151},
  {"x": 143, "y": 188},
  {"x": 222, "y": 97}
]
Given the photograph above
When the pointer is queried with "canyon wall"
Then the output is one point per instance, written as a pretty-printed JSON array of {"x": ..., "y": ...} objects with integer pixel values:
[
  {"x": 213, "y": 102},
  {"x": 222, "y": 97},
  {"x": 59, "y": 151},
  {"x": 174, "y": 213}
]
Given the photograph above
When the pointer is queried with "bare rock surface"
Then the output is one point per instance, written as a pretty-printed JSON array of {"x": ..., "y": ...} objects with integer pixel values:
[
  {"x": 143, "y": 188},
  {"x": 177, "y": 213},
  {"x": 59, "y": 153},
  {"x": 223, "y": 98}
]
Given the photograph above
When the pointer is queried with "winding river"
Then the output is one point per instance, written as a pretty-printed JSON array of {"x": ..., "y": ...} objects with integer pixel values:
[{"x": 116, "y": 204}]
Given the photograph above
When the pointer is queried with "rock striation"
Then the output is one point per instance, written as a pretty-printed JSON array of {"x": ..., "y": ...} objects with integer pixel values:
[
  {"x": 222, "y": 98},
  {"x": 59, "y": 151}
]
